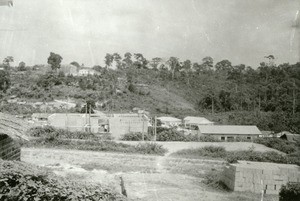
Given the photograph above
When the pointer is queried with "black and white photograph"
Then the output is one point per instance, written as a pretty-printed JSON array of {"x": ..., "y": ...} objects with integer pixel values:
[{"x": 150, "y": 100}]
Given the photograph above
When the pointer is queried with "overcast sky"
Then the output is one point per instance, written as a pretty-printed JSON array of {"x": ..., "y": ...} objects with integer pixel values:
[{"x": 242, "y": 31}]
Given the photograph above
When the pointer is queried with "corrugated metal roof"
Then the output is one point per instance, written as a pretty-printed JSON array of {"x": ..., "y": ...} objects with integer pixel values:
[
  {"x": 169, "y": 119},
  {"x": 232, "y": 129},
  {"x": 197, "y": 120}
]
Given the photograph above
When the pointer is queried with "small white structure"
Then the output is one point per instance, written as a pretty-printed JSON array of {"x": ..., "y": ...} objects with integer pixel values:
[
  {"x": 169, "y": 121},
  {"x": 86, "y": 72},
  {"x": 69, "y": 69}
]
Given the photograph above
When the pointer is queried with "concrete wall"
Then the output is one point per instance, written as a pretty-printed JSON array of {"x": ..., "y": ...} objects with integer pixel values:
[
  {"x": 9, "y": 149},
  {"x": 71, "y": 122},
  {"x": 257, "y": 177},
  {"x": 123, "y": 125}
]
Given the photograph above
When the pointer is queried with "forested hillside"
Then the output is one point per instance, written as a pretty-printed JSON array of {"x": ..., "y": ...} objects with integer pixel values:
[{"x": 266, "y": 95}]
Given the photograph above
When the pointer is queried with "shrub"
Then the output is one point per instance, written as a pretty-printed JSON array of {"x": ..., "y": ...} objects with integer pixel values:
[
  {"x": 208, "y": 139},
  {"x": 51, "y": 132},
  {"x": 290, "y": 192},
  {"x": 250, "y": 155},
  {"x": 234, "y": 156},
  {"x": 150, "y": 148},
  {"x": 97, "y": 145},
  {"x": 294, "y": 158},
  {"x": 21, "y": 181},
  {"x": 136, "y": 137},
  {"x": 277, "y": 143},
  {"x": 171, "y": 135},
  {"x": 214, "y": 180},
  {"x": 207, "y": 151}
]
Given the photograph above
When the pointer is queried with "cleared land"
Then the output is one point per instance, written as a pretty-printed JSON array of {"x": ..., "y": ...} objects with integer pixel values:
[{"x": 146, "y": 177}]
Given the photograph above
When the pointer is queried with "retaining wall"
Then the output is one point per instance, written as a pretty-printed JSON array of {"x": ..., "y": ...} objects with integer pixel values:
[
  {"x": 257, "y": 177},
  {"x": 9, "y": 148}
]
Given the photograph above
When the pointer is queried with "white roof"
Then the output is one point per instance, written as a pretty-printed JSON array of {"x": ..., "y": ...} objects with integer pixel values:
[
  {"x": 233, "y": 129},
  {"x": 169, "y": 119},
  {"x": 197, "y": 120}
]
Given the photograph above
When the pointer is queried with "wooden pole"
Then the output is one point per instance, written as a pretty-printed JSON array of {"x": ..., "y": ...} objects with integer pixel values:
[
  {"x": 143, "y": 137},
  {"x": 155, "y": 123},
  {"x": 294, "y": 98},
  {"x": 90, "y": 119}
]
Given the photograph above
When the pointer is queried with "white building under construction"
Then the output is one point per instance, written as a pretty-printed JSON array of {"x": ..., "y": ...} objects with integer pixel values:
[{"x": 115, "y": 124}]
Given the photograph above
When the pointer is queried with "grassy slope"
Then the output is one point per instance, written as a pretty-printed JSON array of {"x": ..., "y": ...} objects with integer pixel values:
[{"x": 176, "y": 97}]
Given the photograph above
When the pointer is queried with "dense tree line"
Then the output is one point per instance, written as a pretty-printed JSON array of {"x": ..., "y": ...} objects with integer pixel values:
[{"x": 226, "y": 87}]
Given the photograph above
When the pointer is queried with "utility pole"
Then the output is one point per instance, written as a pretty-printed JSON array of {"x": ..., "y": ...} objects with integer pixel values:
[
  {"x": 143, "y": 133},
  {"x": 294, "y": 97},
  {"x": 86, "y": 120},
  {"x": 90, "y": 119},
  {"x": 155, "y": 123},
  {"x": 212, "y": 104},
  {"x": 296, "y": 26}
]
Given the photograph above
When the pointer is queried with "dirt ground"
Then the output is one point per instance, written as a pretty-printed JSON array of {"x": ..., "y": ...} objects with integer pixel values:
[{"x": 146, "y": 177}]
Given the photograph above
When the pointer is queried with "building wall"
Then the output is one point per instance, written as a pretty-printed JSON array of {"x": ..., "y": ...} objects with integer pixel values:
[
  {"x": 9, "y": 149},
  {"x": 123, "y": 125},
  {"x": 68, "y": 121},
  {"x": 228, "y": 137},
  {"x": 260, "y": 178}
]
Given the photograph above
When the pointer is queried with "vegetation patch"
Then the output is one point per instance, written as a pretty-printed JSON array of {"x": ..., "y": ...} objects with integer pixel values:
[
  {"x": 21, "y": 181},
  {"x": 138, "y": 136},
  {"x": 290, "y": 192},
  {"x": 167, "y": 134},
  {"x": 55, "y": 133},
  {"x": 277, "y": 143},
  {"x": 213, "y": 179},
  {"x": 207, "y": 151},
  {"x": 234, "y": 156},
  {"x": 97, "y": 145}
]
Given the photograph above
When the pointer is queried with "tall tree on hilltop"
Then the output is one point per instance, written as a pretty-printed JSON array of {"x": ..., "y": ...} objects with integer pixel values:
[
  {"x": 187, "y": 66},
  {"x": 54, "y": 60},
  {"x": 207, "y": 63},
  {"x": 197, "y": 67},
  {"x": 7, "y": 60},
  {"x": 155, "y": 62},
  {"x": 141, "y": 62},
  {"x": 109, "y": 58},
  {"x": 22, "y": 66},
  {"x": 127, "y": 59},
  {"x": 223, "y": 66},
  {"x": 118, "y": 59},
  {"x": 174, "y": 65}
]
